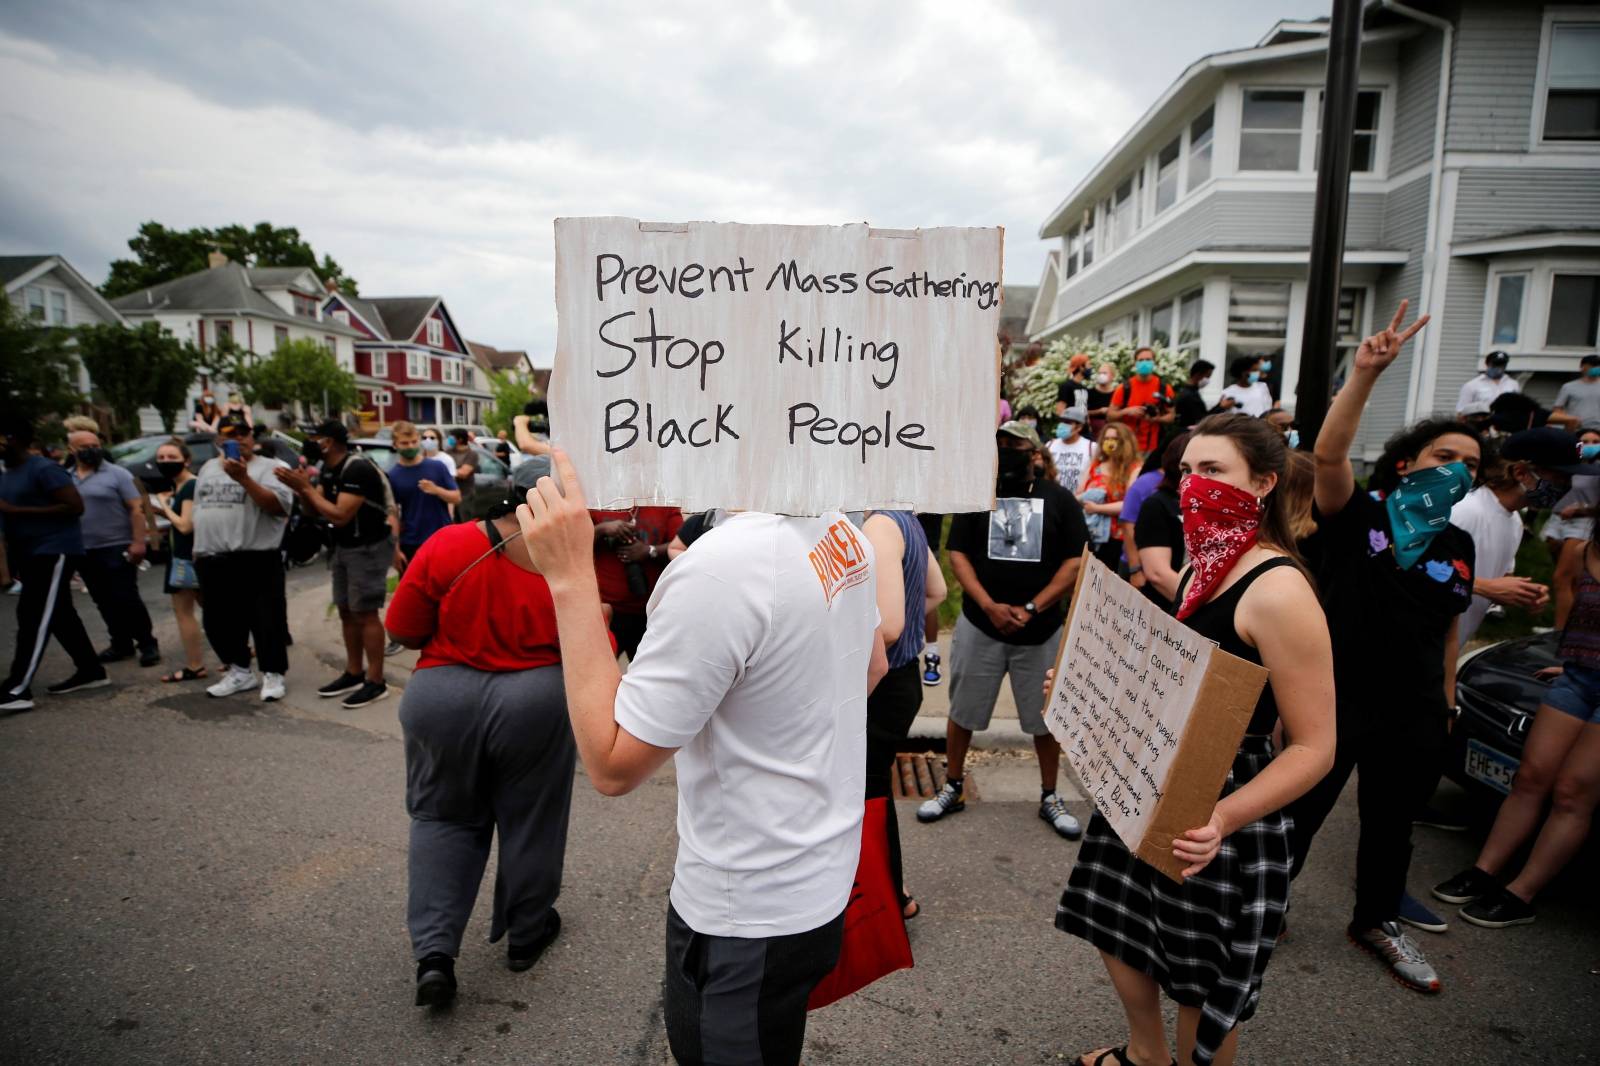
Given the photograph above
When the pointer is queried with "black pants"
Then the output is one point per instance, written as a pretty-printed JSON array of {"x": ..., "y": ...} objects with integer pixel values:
[
  {"x": 45, "y": 610},
  {"x": 1397, "y": 758},
  {"x": 244, "y": 600},
  {"x": 114, "y": 586},
  {"x": 629, "y": 631},
  {"x": 891, "y": 709},
  {"x": 737, "y": 1001}
]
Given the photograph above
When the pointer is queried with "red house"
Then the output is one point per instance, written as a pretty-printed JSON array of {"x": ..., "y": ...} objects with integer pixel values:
[{"x": 411, "y": 360}]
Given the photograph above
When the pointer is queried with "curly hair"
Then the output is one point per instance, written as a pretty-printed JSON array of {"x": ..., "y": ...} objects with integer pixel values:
[{"x": 1411, "y": 442}]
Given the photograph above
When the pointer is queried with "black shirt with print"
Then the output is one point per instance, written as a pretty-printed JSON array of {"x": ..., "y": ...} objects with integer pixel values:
[
  {"x": 982, "y": 537},
  {"x": 1388, "y": 625}
]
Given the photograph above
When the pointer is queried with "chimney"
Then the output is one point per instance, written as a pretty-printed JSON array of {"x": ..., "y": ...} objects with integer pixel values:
[
  {"x": 330, "y": 285},
  {"x": 216, "y": 259}
]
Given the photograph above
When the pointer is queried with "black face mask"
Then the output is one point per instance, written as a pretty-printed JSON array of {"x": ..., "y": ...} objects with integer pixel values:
[
  {"x": 1015, "y": 465},
  {"x": 90, "y": 456},
  {"x": 312, "y": 451},
  {"x": 171, "y": 470}
]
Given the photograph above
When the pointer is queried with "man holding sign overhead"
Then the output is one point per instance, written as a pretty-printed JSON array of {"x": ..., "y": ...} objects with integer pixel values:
[{"x": 1203, "y": 926}]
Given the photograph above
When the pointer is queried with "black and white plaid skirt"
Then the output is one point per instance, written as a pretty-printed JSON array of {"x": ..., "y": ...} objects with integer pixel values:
[{"x": 1207, "y": 941}]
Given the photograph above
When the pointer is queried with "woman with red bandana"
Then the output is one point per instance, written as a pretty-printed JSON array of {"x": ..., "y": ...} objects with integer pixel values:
[{"x": 1206, "y": 941}]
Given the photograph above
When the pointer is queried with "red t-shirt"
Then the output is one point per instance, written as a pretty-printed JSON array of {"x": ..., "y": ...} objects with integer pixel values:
[
  {"x": 498, "y": 617},
  {"x": 658, "y": 525},
  {"x": 1136, "y": 393}
]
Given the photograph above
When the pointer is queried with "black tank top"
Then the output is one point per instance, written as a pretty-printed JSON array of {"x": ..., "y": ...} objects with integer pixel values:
[{"x": 1214, "y": 620}]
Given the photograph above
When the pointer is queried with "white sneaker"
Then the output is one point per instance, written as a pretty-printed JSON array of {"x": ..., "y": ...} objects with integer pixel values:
[
  {"x": 14, "y": 589},
  {"x": 237, "y": 679},
  {"x": 271, "y": 687}
]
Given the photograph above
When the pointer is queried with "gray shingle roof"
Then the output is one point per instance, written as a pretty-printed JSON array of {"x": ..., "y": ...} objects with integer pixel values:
[
  {"x": 403, "y": 315},
  {"x": 14, "y": 266},
  {"x": 370, "y": 314},
  {"x": 230, "y": 287},
  {"x": 494, "y": 358}
]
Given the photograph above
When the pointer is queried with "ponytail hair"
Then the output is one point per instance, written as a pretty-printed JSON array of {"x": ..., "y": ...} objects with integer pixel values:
[{"x": 1263, "y": 449}]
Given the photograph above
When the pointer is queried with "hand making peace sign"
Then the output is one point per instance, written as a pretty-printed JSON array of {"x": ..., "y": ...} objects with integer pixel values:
[{"x": 1381, "y": 349}]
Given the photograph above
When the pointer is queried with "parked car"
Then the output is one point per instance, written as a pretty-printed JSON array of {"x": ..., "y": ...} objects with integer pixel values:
[
  {"x": 138, "y": 455},
  {"x": 489, "y": 486},
  {"x": 1498, "y": 695}
]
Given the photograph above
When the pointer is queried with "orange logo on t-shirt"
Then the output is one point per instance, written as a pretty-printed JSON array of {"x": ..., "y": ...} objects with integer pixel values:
[{"x": 839, "y": 560}]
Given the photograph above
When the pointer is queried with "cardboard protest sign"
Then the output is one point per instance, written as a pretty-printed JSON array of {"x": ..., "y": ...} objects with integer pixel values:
[
  {"x": 1148, "y": 712},
  {"x": 791, "y": 369}
]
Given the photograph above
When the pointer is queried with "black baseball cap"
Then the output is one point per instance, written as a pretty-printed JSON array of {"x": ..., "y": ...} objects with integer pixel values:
[
  {"x": 232, "y": 424},
  {"x": 1590, "y": 360},
  {"x": 334, "y": 430},
  {"x": 1496, "y": 359},
  {"x": 1549, "y": 447}
]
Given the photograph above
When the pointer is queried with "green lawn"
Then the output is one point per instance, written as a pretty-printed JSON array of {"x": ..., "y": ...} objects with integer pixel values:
[{"x": 1533, "y": 561}]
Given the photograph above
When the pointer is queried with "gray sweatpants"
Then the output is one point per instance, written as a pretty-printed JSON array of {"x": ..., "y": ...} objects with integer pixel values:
[{"x": 485, "y": 753}]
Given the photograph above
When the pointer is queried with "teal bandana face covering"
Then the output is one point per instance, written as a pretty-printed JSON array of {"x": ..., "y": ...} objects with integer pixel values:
[{"x": 1419, "y": 508}]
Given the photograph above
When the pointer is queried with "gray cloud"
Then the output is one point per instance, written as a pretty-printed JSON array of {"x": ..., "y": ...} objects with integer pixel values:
[{"x": 429, "y": 148}]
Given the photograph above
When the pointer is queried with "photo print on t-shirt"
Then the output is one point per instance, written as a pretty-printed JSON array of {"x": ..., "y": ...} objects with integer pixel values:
[{"x": 1016, "y": 530}]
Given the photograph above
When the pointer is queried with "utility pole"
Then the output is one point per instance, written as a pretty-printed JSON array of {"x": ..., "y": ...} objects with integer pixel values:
[{"x": 1317, "y": 345}]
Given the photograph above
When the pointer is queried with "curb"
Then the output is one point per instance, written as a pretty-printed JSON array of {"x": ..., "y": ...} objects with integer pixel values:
[{"x": 1003, "y": 734}]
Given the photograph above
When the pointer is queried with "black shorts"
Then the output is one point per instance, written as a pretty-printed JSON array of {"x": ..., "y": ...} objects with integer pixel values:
[{"x": 737, "y": 999}]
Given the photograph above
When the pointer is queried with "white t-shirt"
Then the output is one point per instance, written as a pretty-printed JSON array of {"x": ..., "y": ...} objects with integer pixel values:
[
  {"x": 755, "y": 667},
  {"x": 1496, "y": 534},
  {"x": 1253, "y": 400},
  {"x": 226, "y": 519},
  {"x": 1484, "y": 389},
  {"x": 1072, "y": 461}
]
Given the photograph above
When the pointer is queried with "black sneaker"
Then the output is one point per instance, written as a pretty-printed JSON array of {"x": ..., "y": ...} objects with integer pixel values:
[
  {"x": 436, "y": 981},
  {"x": 369, "y": 692},
  {"x": 115, "y": 654},
  {"x": 150, "y": 654},
  {"x": 522, "y": 957},
  {"x": 1500, "y": 909},
  {"x": 80, "y": 680},
  {"x": 1468, "y": 885},
  {"x": 16, "y": 702},
  {"x": 340, "y": 685}
]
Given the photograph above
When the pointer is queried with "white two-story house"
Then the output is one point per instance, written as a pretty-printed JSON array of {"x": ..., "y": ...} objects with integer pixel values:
[{"x": 1475, "y": 193}]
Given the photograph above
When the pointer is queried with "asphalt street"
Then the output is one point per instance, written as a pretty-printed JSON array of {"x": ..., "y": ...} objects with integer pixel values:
[{"x": 189, "y": 880}]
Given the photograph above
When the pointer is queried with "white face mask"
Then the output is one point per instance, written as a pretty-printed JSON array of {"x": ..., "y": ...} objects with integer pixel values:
[
  {"x": 1103, "y": 378},
  {"x": 429, "y": 444},
  {"x": 1202, "y": 383}
]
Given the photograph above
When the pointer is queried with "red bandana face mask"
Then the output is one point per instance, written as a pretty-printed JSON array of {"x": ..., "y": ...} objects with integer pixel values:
[{"x": 1220, "y": 524}]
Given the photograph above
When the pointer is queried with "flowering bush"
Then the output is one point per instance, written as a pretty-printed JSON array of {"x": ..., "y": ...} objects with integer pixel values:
[{"x": 1036, "y": 385}]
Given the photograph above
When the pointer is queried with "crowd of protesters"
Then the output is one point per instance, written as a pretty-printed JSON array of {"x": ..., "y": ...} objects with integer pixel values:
[{"x": 1356, "y": 598}]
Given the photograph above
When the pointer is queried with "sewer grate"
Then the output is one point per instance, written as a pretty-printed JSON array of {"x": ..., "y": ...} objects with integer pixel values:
[{"x": 918, "y": 775}]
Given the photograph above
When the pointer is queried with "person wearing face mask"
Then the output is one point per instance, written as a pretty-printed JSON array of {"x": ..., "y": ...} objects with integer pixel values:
[
  {"x": 113, "y": 546},
  {"x": 1028, "y": 415},
  {"x": 1016, "y": 565},
  {"x": 1187, "y": 402},
  {"x": 1074, "y": 392},
  {"x": 1206, "y": 941},
  {"x": 458, "y": 449},
  {"x": 1070, "y": 450},
  {"x": 41, "y": 508},
  {"x": 182, "y": 581},
  {"x": 1098, "y": 397},
  {"x": 206, "y": 413},
  {"x": 1144, "y": 402},
  {"x": 424, "y": 488},
  {"x": 1395, "y": 577},
  {"x": 1487, "y": 386},
  {"x": 1249, "y": 393},
  {"x": 1115, "y": 467},
  {"x": 1578, "y": 402}
]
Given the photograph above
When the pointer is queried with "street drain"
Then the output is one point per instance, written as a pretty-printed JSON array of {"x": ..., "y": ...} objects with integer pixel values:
[{"x": 919, "y": 774}]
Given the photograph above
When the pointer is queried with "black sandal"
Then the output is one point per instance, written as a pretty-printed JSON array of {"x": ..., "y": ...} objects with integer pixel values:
[
  {"x": 185, "y": 674},
  {"x": 911, "y": 902},
  {"x": 1119, "y": 1055}
]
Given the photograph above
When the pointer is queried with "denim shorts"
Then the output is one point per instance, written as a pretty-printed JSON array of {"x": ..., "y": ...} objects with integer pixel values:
[{"x": 1576, "y": 692}]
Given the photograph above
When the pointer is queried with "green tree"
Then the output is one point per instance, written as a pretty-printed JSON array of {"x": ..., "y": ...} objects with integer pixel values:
[
  {"x": 161, "y": 254},
  {"x": 38, "y": 373},
  {"x": 134, "y": 367},
  {"x": 299, "y": 372},
  {"x": 511, "y": 394}
]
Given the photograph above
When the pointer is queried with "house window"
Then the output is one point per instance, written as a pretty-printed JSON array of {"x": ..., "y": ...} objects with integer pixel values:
[
  {"x": 1088, "y": 238},
  {"x": 1574, "y": 311},
  {"x": 1364, "y": 138},
  {"x": 330, "y": 344},
  {"x": 1510, "y": 292},
  {"x": 417, "y": 366},
  {"x": 451, "y": 369},
  {"x": 435, "y": 332},
  {"x": 1201, "y": 134},
  {"x": 380, "y": 364},
  {"x": 1269, "y": 129},
  {"x": 1124, "y": 213},
  {"x": 381, "y": 398},
  {"x": 35, "y": 297},
  {"x": 1167, "y": 174},
  {"x": 58, "y": 307},
  {"x": 1189, "y": 324},
  {"x": 1350, "y": 325},
  {"x": 280, "y": 336},
  {"x": 1074, "y": 249},
  {"x": 1258, "y": 323},
  {"x": 467, "y": 378},
  {"x": 342, "y": 317},
  {"x": 304, "y": 306},
  {"x": 1572, "y": 85},
  {"x": 224, "y": 331}
]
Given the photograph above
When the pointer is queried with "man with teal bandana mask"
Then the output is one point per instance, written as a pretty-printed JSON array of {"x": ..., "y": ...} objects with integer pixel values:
[{"x": 1394, "y": 575}]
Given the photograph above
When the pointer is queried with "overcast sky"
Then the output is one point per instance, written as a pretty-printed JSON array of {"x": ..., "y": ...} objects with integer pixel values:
[{"x": 428, "y": 146}]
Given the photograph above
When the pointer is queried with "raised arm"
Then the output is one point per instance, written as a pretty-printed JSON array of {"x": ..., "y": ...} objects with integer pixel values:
[{"x": 1335, "y": 479}]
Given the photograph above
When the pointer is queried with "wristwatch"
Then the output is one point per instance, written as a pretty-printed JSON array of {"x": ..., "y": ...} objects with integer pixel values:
[
  {"x": 652, "y": 551},
  {"x": 1031, "y": 607}
]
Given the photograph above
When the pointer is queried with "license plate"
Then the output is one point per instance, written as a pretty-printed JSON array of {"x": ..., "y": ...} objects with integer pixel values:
[{"x": 1493, "y": 768}]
